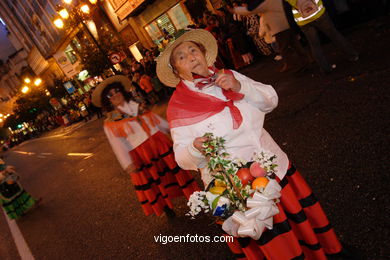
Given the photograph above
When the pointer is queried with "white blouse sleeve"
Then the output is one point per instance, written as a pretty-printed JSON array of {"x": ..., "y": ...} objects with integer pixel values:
[
  {"x": 186, "y": 155},
  {"x": 258, "y": 94},
  {"x": 121, "y": 148}
]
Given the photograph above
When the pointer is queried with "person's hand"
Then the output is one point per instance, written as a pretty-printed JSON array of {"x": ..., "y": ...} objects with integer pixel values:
[
  {"x": 131, "y": 168},
  {"x": 198, "y": 143},
  {"x": 228, "y": 82}
]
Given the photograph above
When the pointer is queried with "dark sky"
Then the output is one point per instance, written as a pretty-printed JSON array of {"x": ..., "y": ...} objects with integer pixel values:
[{"x": 6, "y": 47}]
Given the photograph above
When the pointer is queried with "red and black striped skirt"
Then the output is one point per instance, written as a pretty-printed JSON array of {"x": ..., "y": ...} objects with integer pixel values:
[
  {"x": 158, "y": 178},
  {"x": 301, "y": 229}
]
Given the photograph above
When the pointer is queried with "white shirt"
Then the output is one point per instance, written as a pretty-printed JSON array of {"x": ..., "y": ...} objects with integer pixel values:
[
  {"x": 136, "y": 135},
  {"x": 241, "y": 143}
]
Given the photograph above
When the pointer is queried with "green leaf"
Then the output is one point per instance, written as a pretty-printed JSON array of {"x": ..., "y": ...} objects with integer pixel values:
[{"x": 215, "y": 202}]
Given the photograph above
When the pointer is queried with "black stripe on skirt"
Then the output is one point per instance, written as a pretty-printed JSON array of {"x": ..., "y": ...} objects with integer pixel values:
[
  {"x": 297, "y": 217},
  {"x": 269, "y": 234},
  {"x": 291, "y": 170},
  {"x": 308, "y": 201},
  {"x": 310, "y": 246},
  {"x": 148, "y": 185},
  {"x": 323, "y": 229}
]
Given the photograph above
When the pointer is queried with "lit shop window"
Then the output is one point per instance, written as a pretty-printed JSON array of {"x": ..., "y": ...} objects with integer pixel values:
[
  {"x": 70, "y": 54},
  {"x": 171, "y": 21},
  {"x": 178, "y": 17}
]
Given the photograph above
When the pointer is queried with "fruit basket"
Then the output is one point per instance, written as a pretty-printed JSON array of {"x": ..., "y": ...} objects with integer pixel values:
[{"x": 244, "y": 195}]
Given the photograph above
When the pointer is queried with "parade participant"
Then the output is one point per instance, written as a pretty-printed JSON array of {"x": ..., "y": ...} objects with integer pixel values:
[
  {"x": 275, "y": 19},
  {"x": 233, "y": 106},
  {"x": 14, "y": 200},
  {"x": 142, "y": 149},
  {"x": 312, "y": 17}
]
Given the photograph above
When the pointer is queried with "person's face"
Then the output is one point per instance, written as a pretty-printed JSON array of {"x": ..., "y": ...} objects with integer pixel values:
[
  {"x": 116, "y": 97},
  {"x": 188, "y": 59}
]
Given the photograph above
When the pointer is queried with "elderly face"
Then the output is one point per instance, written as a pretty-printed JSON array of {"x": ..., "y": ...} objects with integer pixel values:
[
  {"x": 116, "y": 97},
  {"x": 187, "y": 58}
]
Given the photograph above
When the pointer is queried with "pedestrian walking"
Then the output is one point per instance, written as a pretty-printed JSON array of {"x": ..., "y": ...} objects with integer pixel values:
[
  {"x": 233, "y": 106},
  {"x": 274, "y": 18},
  {"x": 14, "y": 200},
  {"x": 139, "y": 140},
  {"x": 312, "y": 17}
]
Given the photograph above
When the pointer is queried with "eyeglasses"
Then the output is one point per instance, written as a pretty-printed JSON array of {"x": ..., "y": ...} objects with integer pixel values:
[{"x": 116, "y": 90}]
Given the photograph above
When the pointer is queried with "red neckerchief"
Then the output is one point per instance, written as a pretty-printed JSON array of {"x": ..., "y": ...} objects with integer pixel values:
[{"x": 187, "y": 107}]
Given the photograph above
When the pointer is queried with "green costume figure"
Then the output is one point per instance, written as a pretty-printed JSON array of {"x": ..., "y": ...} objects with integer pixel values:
[{"x": 14, "y": 200}]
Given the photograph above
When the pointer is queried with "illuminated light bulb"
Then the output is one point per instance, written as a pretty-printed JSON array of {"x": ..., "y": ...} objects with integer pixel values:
[
  {"x": 37, "y": 82},
  {"x": 59, "y": 23},
  {"x": 25, "y": 89},
  {"x": 84, "y": 9},
  {"x": 64, "y": 13}
]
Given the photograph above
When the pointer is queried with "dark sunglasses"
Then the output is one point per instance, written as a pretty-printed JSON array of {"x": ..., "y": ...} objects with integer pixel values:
[{"x": 116, "y": 90}]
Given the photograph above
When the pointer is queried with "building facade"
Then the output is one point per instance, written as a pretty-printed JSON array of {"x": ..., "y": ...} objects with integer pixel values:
[
  {"x": 144, "y": 23},
  {"x": 33, "y": 35}
]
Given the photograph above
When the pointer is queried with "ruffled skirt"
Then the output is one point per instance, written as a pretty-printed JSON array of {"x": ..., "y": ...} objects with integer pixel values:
[
  {"x": 158, "y": 178},
  {"x": 301, "y": 229},
  {"x": 19, "y": 205}
]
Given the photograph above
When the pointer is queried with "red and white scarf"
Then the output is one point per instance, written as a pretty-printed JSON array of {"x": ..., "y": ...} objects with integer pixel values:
[{"x": 187, "y": 107}]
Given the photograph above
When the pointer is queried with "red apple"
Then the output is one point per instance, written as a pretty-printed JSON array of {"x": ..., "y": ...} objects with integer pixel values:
[
  {"x": 257, "y": 171},
  {"x": 245, "y": 176}
]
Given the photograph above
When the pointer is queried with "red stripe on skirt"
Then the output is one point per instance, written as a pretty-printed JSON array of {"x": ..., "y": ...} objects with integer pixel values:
[
  {"x": 298, "y": 237},
  {"x": 153, "y": 158}
]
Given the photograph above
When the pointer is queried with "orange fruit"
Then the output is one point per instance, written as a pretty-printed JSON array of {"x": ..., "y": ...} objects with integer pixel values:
[
  {"x": 259, "y": 182},
  {"x": 217, "y": 190}
]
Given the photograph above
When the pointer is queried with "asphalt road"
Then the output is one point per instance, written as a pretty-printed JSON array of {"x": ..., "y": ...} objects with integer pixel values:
[{"x": 333, "y": 128}]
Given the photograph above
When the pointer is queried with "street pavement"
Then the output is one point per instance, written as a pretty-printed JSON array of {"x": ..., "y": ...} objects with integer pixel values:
[{"x": 334, "y": 129}]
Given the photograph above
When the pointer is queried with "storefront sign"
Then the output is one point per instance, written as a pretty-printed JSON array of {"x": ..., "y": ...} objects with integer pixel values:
[
  {"x": 125, "y": 7},
  {"x": 66, "y": 66},
  {"x": 69, "y": 87}
]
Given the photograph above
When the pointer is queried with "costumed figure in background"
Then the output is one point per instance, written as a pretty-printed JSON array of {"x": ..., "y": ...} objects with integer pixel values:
[
  {"x": 139, "y": 140},
  {"x": 14, "y": 200}
]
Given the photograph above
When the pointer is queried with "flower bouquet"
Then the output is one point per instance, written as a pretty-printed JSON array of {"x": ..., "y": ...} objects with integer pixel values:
[{"x": 243, "y": 195}]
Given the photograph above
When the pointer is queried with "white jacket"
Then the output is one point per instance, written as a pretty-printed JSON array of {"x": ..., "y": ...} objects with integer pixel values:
[{"x": 241, "y": 143}]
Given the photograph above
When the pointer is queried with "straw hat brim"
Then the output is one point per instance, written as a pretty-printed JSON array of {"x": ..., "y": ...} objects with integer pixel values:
[
  {"x": 164, "y": 69},
  {"x": 96, "y": 94}
]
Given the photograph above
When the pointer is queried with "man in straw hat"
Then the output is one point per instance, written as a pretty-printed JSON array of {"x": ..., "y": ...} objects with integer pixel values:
[
  {"x": 142, "y": 148},
  {"x": 233, "y": 106}
]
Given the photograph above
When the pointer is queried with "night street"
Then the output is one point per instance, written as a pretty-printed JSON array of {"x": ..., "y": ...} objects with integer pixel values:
[{"x": 334, "y": 129}]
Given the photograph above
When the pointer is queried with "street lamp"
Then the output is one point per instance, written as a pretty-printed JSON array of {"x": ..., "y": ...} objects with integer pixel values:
[
  {"x": 59, "y": 23},
  {"x": 77, "y": 14},
  {"x": 37, "y": 82},
  {"x": 64, "y": 13},
  {"x": 27, "y": 80},
  {"x": 25, "y": 89},
  {"x": 85, "y": 9}
]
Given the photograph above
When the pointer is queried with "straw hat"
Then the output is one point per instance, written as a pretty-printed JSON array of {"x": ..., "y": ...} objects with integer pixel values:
[
  {"x": 96, "y": 95},
  {"x": 164, "y": 69}
]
